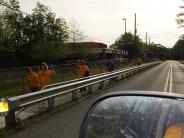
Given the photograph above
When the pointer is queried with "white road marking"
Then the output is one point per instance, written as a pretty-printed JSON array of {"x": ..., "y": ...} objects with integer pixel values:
[
  {"x": 171, "y": 79},
  {"x": 167, "y": 81},
  {"x": 169, "y": 84},
  {"x": 168, "y": 88}
]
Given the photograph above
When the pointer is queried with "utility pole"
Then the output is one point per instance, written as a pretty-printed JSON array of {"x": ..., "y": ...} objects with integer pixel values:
[
  {"x": 146, "y": 38},
  {"x": 135, "y": 26},
  {"x": 135, "y": 33},
  {"x": 124, "y": 19},
  {"x": 149, "y": 41}
]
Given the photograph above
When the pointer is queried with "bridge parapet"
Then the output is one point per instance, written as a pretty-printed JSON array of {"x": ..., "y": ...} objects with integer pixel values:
[{"x": 72, "y": 91}]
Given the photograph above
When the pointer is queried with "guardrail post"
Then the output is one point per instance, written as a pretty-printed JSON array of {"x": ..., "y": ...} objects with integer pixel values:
[
  {"x": 10, "y": 119},
  {"x": 124, "y": 75},
  {"x": 50, "y": 103},
  {"x": 119, "y": 77},
  {"x": 90, "y": 89},
  {"x": 116, "y": 79},
  {"x": 74, "y": 95},
  {"x": 102, "y": 85},
  {"x": 112, "y": 81},
  {"x": 133, "y": 72},
  {"x": 128, "y": 74}
]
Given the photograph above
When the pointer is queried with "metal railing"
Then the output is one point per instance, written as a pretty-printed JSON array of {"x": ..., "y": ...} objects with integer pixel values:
[{"x": 73, "y": 87}]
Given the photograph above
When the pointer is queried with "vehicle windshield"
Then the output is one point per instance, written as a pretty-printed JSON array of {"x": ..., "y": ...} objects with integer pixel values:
[
  {"x": 134, "y": 117},
  {"x": 62, "y": 52},
  {"x": 101, "y": 35}
]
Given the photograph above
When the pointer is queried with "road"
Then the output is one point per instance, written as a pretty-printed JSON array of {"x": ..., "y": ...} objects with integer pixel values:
[
  {"x": 66, "y": 124},
  {"x": 178, "y": 78}
]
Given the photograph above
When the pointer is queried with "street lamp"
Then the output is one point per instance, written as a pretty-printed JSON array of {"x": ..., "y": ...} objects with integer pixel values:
[{"x": 124, "y": 19}]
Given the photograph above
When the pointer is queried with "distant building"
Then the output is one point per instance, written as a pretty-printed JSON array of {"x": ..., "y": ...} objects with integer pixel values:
[
  {"x": 87, "y": 45},
  {"x": 100, "y": 49}
]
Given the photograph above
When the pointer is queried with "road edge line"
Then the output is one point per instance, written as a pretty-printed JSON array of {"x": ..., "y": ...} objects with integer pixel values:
[{"x": 171, "y": 80}]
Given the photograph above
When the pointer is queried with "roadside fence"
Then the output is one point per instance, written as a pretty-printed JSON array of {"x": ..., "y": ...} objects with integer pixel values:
[{"x": 14, "y": 81}]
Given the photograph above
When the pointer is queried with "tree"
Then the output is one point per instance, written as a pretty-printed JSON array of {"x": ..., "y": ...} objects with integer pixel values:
[
  {"x": 48, "y": 34},
  {"x": 127, "y": 42},
  {"x": 75, "y": 32},
  {"x": 146, "y": 52},
  {"x": 61, "y": 31},
  {"x": 178, "y": 49},
  {"x": 11, "y": 29},
  {"x": 20, "y": 33},
  {"x": 180, "y": 19},
  {"x": 43, "y": 51},
  {"x": 46, "y": 26}
]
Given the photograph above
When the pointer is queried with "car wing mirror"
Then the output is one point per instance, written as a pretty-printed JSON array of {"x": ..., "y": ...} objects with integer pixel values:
[{"x": 132, "y": 115}]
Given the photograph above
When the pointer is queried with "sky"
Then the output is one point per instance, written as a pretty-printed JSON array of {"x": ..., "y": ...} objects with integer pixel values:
[{"x": 103, "y": 19}]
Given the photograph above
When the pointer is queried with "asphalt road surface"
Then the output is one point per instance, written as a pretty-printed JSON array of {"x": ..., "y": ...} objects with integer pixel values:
[
  {"x": 178, "y": 77},
  {"x": 66, "y": 124}
]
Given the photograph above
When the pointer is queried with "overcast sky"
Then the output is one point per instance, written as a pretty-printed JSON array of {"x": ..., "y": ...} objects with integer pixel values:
[{"x": 102, "y": 19}]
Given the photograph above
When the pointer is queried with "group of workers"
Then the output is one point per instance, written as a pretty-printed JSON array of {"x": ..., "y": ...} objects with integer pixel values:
[{"x": 38, "y": 81}]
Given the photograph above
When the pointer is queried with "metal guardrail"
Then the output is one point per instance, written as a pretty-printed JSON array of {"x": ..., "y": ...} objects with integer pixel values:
[
  {"x": 71, "y": 81},
  {"x": 14, "y": 80},
  {"x": 75, "y": 80},
  {"x": 18, "y": 102}
]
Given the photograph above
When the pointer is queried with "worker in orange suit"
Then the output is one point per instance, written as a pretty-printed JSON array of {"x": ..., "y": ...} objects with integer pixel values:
[
  {"x": 45, "y": 75},
  {"x": 33, "y": 81},
  {"x": 83, "y": 69}
]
